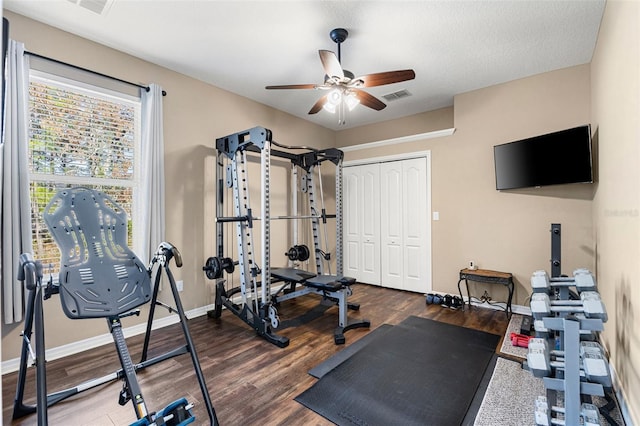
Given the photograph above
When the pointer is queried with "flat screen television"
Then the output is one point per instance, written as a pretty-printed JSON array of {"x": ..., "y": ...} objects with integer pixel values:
[{"x": 551, "y": 159}]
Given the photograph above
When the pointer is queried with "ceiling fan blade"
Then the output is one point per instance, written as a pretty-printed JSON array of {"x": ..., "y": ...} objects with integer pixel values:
[
  {"x": 382, "y": 78},
  {"x": 318, "y": 105},
  {"x": 369, "y": 100},
  {"x": 293, "y": 86},
  {"x": 331, "y": 65}
]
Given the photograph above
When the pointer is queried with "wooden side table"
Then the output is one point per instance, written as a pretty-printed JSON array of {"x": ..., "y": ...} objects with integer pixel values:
[{"x": 490, "y": 277}]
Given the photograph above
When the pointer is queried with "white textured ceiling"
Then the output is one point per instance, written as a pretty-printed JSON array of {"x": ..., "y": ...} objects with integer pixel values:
[{"x": 243, "y": 46}]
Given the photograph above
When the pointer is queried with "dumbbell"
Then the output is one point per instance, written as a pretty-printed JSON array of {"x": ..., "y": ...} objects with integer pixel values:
[
  {"x": 542, "y": 331},
  {"x": 590, "y": 415},
  {"x": 521, "y": 340},
  {"x": 582, "y": 279},
  {"x": 541, "y": 412},
  {"x": 590, "y": 303},
  {"x": 539, "y": 357},
  {"x": 594, "y": 364}
]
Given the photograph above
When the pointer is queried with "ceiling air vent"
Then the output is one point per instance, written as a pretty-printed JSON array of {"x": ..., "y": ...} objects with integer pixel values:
[
  {"x": 390, "y": 97},
  {"x": 100, "y": 7}
]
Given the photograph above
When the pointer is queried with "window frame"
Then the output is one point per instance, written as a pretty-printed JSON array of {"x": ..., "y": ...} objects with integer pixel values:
[{"x": 136, "y": 183}]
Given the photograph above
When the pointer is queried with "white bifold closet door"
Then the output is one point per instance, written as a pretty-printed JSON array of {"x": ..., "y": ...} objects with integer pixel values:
[{"x": 396, "y": 219}]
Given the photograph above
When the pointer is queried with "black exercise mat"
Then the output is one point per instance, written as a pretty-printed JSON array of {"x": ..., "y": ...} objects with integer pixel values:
[
  {"x": 332, "y": 362},
  {"x": 421, "y": 372}
]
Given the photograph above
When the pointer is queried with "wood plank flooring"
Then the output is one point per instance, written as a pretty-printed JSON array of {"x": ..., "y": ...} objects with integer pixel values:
[{"x": 251, "y": 381}]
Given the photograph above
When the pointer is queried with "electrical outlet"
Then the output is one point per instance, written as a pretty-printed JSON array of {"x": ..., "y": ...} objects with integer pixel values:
[{"x": 179, "y": 285}]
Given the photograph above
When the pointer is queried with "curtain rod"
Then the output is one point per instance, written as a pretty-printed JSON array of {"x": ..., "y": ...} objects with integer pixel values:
[{"x": 89, "y": 71}]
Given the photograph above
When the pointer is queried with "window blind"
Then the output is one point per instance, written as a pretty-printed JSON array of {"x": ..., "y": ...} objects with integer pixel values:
[{"x": 79, "y": 136}]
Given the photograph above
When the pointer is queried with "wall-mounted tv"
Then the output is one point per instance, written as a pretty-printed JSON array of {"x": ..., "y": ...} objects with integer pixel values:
[{"x": 551, "y": 159}]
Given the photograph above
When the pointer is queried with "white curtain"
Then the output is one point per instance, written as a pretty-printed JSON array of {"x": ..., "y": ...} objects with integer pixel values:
[
  {"x": 16, "y": 212},
  {"x": 152, "y": 207}
]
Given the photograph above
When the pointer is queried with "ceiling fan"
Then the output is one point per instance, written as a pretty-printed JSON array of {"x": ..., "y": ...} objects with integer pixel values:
[{"x": 342, "y": 86}]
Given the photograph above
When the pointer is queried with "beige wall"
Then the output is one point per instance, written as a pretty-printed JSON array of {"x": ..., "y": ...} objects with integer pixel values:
[
  {"x": 615, "y": 91},
  {"x": 195, "y": 114},
  {"x": 508, "y": 230}
]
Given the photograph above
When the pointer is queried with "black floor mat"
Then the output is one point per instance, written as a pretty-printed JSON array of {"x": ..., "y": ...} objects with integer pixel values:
[
  {"x": 420, "y": 372},
  {"x": 323, "y": 368}
]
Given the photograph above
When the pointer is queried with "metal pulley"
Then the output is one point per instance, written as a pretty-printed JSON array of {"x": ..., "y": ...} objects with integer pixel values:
[
  {"x": 298, "y": 252},
  {"x": 216, "y": 265}
]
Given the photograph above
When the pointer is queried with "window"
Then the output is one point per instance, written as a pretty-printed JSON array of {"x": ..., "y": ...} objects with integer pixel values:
[{"x": 79, "y": 135}]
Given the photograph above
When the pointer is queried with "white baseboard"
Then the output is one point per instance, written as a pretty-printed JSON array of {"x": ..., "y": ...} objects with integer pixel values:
[
  {"x": 58, "y": 352},
  {"x": 516, "y": 309}
]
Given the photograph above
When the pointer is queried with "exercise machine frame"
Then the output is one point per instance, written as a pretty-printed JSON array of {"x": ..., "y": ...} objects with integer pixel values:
[
  {"x": 31, "y": 273},
  {"x": 257, "y": 307}
]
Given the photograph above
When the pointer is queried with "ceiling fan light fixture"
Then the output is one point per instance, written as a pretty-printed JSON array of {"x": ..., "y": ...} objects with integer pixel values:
[
  {"x": 334, "y": 97},
  {"x": 352, "y": 101},
  {"x": 329, "y": 107}
]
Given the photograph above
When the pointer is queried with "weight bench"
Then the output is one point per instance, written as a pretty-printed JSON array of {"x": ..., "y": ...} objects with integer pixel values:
[
  {"x": 100, "y": 277},
  {"x": 331, "y": 287}
]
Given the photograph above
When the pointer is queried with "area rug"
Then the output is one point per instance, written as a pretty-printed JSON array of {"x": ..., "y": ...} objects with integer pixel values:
[
  {"x": 507, "y": 348},
  {"x": 510, "y": 396},
  {"x": 420, "y": 372}
]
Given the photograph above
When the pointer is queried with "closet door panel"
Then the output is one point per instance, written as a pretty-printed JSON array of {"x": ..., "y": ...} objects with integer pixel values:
[
  {"x": 362, "y": 223},
  {"x": 370, "y": 224},
  {"x": 415, "y": 219},
  {"x": 391, "y": 224},
  {"x": 352, "y": 265}
]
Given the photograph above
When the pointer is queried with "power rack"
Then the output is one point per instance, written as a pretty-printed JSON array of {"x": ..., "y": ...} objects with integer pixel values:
[{"x": 257, "y": 302}]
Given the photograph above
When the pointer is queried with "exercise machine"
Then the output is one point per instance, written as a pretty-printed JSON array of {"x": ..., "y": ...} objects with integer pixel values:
[
  {"x": 253, "y": 300},
  {"x": 100, "y": 277}
]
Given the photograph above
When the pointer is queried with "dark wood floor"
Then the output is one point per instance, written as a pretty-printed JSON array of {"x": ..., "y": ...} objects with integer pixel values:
[{"x": 250, "y": 381}]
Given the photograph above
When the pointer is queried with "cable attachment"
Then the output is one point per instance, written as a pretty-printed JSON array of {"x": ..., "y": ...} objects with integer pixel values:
[{"x": 325, "y": 255}]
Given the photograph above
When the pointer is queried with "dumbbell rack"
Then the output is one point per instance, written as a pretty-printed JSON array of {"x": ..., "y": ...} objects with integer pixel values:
[{"x": 565, "y": 382}]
